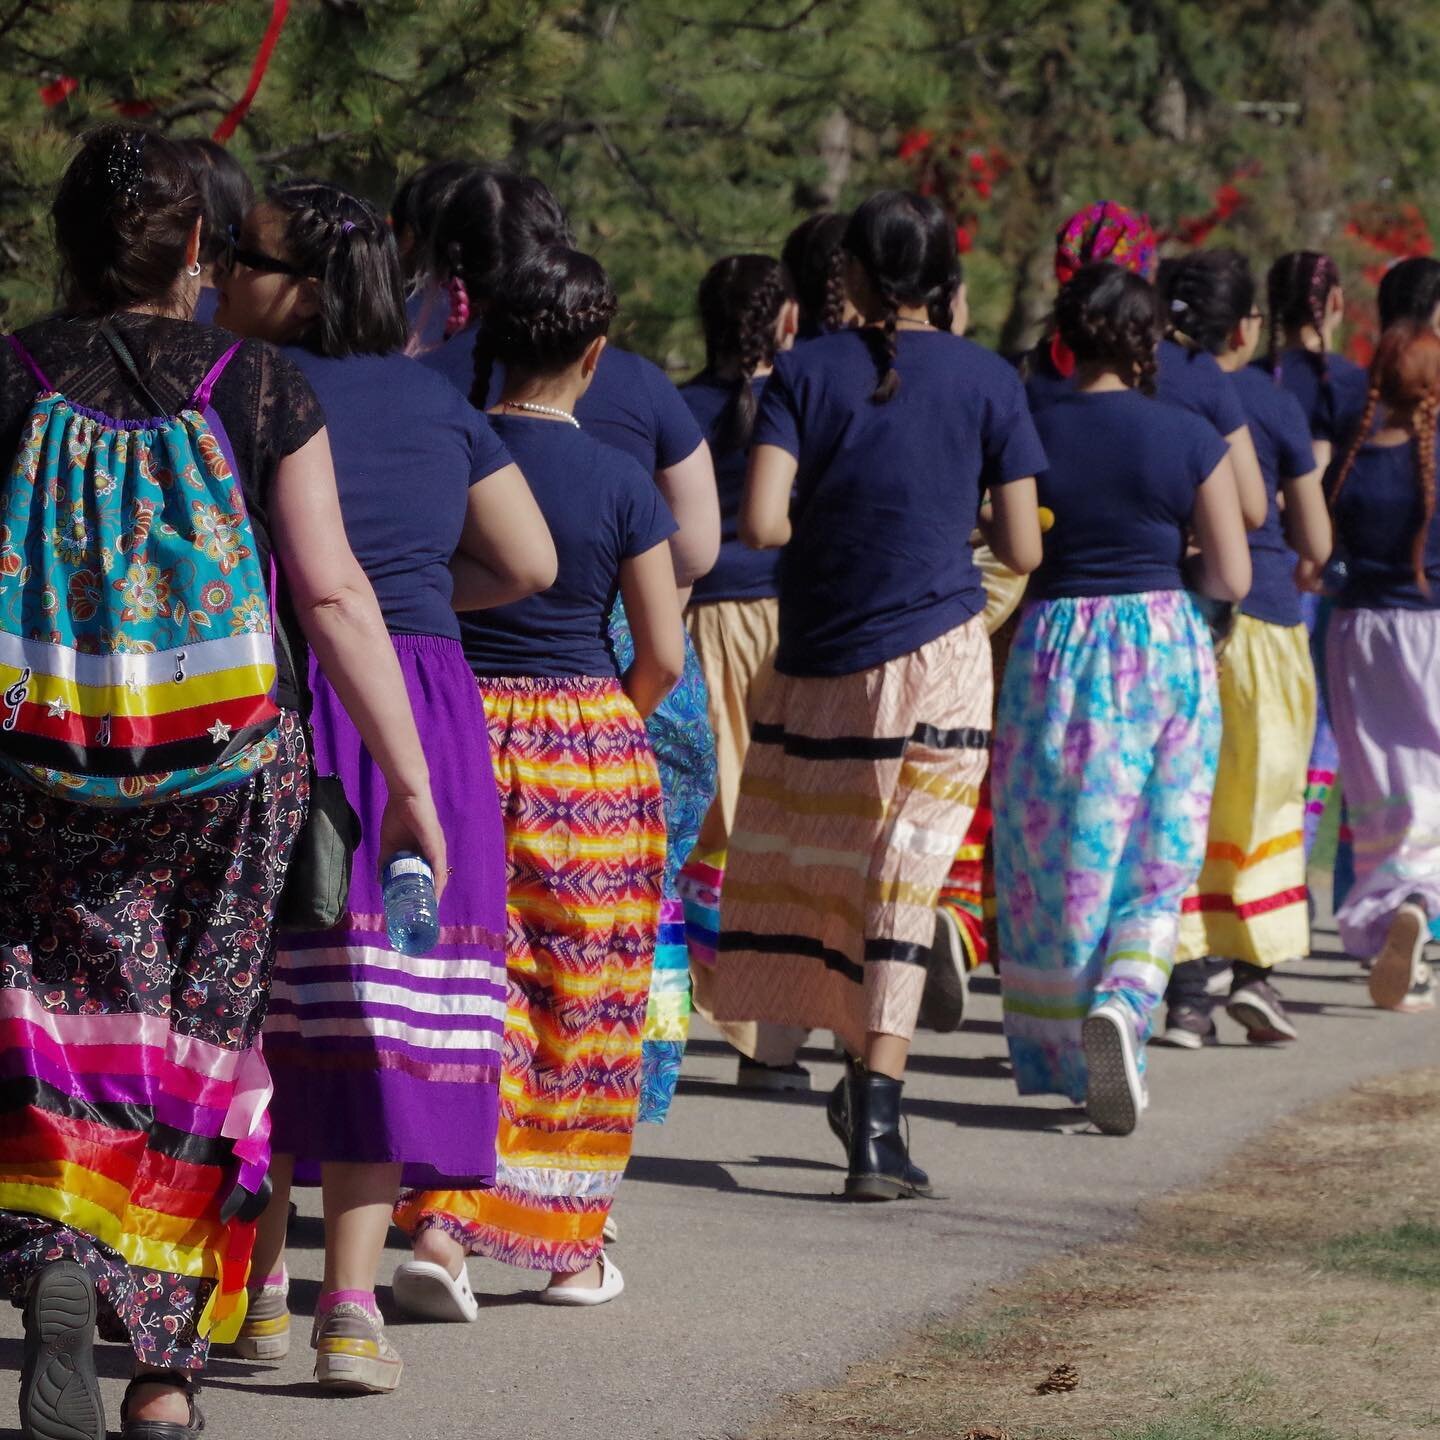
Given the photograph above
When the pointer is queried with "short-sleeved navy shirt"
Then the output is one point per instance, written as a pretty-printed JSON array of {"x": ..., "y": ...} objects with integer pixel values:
[
  {"x": 1191, "y": 379},
  {"x": 1376, "y": 516},
  {"x": 1330, "y": 390},
  {"x": 887, "y": 496},
  {"x": 631, "y": 404},
  {"x": 407, "y": 449},
  {"x": 1282, "y": 444},
  {"x": 740, "y": 573},
  {"x": 1122, "y": 478},
  {"x": 601, "y": 508}
]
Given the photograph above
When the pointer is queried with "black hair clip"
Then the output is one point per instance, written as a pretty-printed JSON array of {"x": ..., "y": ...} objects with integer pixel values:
[{"x": 125, "y": 167}]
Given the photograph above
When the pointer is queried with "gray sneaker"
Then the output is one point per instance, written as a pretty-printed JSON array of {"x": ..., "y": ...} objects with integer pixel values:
[
  {"x": 1257, "y": 1007},
  {"x": 352, "y": 1353},
  {"x": 265, "y": 1335}
]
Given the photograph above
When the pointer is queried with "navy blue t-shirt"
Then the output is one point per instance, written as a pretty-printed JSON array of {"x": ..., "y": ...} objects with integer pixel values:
[
  {"x": 407, "y": 449},
  {"x": 1376, "y": 517},
  {"x": 1121, "y": 480},
  {"x": 1332, "y": 405},
  {"x": 740, "y": 573},
  {"x": 631, "y": 404},
  {"x": 205, "y": 305},
  {"x": 1282, "y": 444},
  {"x": 1191, "y": 379},
  {"x": 427, "y": 312},
  {"x": 601, "y": 508},
  {"x": 887, "y": 496}
]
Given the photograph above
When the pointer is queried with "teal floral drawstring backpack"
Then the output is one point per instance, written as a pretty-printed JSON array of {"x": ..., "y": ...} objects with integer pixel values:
[{"x": 137, "y": 659}]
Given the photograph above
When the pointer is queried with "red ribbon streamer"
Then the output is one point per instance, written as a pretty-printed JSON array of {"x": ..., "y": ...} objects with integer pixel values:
[{"x": 228, "y": 126}]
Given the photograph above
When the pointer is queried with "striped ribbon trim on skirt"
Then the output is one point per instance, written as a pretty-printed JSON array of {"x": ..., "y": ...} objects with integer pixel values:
[
  {"x": 585, "y": 845},
  {"x": 857, "y": 792}
]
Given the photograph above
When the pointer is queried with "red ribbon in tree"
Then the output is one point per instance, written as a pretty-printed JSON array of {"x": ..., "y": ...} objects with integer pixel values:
[{"x": 228, "y": 126}]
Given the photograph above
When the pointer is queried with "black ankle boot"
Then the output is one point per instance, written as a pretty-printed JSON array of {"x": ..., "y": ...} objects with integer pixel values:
[
  {"x": 838, "y": 1107},
  {"x": 880, "y": 1167}
]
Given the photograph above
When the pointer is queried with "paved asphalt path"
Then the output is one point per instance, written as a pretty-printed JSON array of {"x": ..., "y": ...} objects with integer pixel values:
[{"x": 747, "y": 1278}]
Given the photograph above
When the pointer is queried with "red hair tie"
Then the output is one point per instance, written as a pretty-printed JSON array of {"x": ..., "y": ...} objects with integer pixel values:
[{"x": 1062, "y": 357}]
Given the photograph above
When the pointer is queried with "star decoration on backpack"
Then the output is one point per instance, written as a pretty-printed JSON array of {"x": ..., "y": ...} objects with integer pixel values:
[
  {"x": 58, "y": 709},
  {"x": 219, "y": 732}
]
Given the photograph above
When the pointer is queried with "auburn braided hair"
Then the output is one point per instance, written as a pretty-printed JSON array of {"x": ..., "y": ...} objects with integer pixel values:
[
  {"x": 740, "y": 302},
  {"x": 1106, "y": 315},
  {"x": 551, "y": 307},
  {"x": 1297, "y": 289},
  {"x": 1405, "y": 378}
]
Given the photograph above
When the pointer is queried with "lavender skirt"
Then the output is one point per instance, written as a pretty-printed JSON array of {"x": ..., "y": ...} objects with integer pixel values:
[
  {"x": 1381, "y": 669},
  {"x": 378, "y": 1056}
]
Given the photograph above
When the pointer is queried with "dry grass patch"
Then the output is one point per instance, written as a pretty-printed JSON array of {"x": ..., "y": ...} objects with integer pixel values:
[{"x": 1293, "y": 1298}]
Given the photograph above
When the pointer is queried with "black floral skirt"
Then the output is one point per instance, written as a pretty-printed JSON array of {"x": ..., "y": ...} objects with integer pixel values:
[{"x": 135, "y": 956}]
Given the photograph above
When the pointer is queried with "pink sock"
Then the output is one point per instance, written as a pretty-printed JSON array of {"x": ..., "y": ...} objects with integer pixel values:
[
  {"x": 255, "y": 1285},
  {"x": 363, "y": 1298}
]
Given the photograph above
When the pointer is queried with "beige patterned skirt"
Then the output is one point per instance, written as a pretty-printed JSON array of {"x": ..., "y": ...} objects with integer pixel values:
[{"x": 857, "y": 792}]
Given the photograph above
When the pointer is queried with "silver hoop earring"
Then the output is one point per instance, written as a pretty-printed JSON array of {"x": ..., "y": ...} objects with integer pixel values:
[{"x": 193, "y": 270}]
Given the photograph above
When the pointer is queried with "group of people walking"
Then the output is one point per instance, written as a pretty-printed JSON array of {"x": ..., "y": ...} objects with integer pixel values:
[{"x": 864, "y": 658}]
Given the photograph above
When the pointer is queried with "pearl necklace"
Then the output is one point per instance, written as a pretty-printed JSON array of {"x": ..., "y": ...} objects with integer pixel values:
[{"x": 534, "y": 409}]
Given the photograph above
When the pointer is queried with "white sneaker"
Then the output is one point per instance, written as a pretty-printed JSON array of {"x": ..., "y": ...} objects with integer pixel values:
[
  {"x": 612, "y": 1283},
  {"x": 1397, "y": 967},
  {"x": 1114, "y": 1094},
  {"x": 421, "y": 1287}
]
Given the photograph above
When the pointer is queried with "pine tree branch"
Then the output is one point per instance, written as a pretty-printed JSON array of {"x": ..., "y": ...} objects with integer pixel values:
[
  {"x": 624, "y": 163},
  {"x": 777, "y": 27},
  {"x": 15, "y": 16},
  {"x": 290, "y": 152}
]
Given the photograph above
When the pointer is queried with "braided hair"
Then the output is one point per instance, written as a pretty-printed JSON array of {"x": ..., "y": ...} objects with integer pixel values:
[
  {"x": 344, "y": 243},
  {"x": 489, "y": 221},
  {"x": 1109, "y": 316},
  {"x": 1298, "y": 288},
  {"x": 906, "y": 247},
  {"x": 814, "y": 256},
  {"x": 1405, "y": 378},
  {"x": 1410, "y": 290},
  {"x": 554, "y": 303},
  {"x": 741, "y": 298},
  {"x": 1205, "y": 295}
]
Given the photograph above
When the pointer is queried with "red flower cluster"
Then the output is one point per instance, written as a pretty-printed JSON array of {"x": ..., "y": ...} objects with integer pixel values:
[
  {"x": 1228, "y": 198},
  {"x": 960, "y": 172},
  {"x": 1397, "y": 232}
]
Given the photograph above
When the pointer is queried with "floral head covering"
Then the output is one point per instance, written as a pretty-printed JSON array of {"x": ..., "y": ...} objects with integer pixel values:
[{"x": 1105, "y": 231}]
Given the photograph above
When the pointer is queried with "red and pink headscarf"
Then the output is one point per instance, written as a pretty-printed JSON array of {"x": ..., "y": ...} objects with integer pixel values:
[
  {"x": 1105, "y": 231},
  {"x": 1102, "y": 231}
]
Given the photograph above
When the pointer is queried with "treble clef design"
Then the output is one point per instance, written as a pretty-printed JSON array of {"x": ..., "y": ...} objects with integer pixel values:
[{"x": 15, "y": 698}]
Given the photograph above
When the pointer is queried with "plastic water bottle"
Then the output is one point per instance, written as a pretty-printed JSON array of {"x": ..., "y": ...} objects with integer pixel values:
[{"x": 408, "y": 888}]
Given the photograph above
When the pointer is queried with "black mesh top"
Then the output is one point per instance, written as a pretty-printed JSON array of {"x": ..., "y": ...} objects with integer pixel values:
[{"x": 265, "y": 403}]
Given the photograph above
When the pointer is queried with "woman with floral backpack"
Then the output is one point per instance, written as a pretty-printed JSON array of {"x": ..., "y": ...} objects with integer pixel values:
[{"x": 153, "y": 780}]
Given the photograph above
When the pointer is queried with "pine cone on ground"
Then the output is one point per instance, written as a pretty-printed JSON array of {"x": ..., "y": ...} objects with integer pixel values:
[
  {"x": 1060, "y": 1380},
  {"x": 986, "y": 1432}
]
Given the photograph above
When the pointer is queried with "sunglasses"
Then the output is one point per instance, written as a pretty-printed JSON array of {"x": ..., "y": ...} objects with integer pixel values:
[{"x": 237, "y": 254}]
